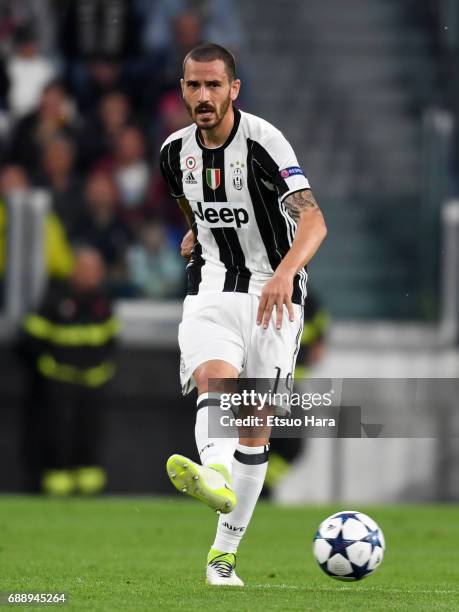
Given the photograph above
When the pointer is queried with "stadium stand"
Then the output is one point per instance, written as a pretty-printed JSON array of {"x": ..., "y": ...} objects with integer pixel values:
[
  {"x": 366, "y": 95},
  {"x": 362, "y": 79}
]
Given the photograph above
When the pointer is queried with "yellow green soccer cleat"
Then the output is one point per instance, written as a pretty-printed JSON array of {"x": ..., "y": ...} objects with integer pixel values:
[
  {"x": 221, "y": 569},
  {"x": 211, "y": 484}
]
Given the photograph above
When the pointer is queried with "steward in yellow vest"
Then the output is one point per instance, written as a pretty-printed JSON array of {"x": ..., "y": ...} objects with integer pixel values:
[{"x": 69, "y": 343}]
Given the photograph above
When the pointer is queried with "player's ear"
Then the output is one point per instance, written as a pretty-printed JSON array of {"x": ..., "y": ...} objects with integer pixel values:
[
  {"x": 235, "y": 88},
  {"x": 182, "y": 85}
]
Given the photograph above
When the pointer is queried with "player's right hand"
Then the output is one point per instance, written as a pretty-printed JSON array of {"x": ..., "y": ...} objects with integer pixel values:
[
  {"x": 187, "y": 246},
  {"x": 277, "y": 292}
]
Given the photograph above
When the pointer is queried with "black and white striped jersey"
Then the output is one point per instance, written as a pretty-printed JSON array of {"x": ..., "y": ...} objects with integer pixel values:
[{"x": 236, "y": 192}]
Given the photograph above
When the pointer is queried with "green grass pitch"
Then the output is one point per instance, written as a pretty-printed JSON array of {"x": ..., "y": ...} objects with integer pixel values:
[{"x": 149, "y": 554}]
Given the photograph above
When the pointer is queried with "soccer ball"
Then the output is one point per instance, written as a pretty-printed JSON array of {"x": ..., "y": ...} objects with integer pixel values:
[{"x": 349, "y": 545}]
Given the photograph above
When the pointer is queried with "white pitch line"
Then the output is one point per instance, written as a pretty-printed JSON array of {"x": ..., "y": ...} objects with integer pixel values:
[{"x": 293, "y": 587}]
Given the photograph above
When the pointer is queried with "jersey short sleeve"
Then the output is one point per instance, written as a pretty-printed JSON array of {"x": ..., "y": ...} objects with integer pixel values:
[
  {"x": 285, "y": 173},
  {"x": 169, "y": 162}
]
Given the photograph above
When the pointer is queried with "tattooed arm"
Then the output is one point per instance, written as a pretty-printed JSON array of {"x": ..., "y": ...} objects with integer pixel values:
[
  {"x": 310, "y": 233},
  {"x": 300, "y": 201}
]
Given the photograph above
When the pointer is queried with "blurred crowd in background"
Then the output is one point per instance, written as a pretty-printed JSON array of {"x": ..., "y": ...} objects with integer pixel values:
[
  {"x": 368, "y": 93},
  {"x": 89, "y": 89}
]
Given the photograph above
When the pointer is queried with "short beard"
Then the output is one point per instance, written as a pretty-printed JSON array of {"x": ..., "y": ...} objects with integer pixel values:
[{"x": 219, "y": 119}]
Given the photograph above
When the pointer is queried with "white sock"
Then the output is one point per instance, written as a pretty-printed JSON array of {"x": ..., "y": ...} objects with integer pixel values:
[
  {"x": 249, "y": 471},
  {"x": 211, "y": 449}
]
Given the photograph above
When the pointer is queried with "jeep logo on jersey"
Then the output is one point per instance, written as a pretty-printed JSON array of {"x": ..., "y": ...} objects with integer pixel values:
[
  {"x": 237, "y": 178},
  {"x": 209, "y": 216},
  {"x": 213, "y": 177}
]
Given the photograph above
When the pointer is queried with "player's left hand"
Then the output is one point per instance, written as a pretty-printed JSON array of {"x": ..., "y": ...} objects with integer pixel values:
[
  {"x": 277, "y": 292},
  {"x": 187, "y": 246}
]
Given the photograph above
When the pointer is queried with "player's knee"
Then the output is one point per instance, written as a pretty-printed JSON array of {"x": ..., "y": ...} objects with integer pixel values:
[{"x": 213, "y": 371}]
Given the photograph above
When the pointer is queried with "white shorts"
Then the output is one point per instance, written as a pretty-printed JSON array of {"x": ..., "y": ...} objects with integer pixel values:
[{"x": 223, "y": 326}]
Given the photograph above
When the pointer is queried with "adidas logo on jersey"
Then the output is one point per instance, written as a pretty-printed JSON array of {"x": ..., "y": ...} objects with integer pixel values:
[
  {"x": 190, "y": 180},
  {"x": 223, "y": 217}
]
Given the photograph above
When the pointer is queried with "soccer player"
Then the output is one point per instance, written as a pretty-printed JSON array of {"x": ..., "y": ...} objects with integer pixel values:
[{"x": 254, "y": 226}]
